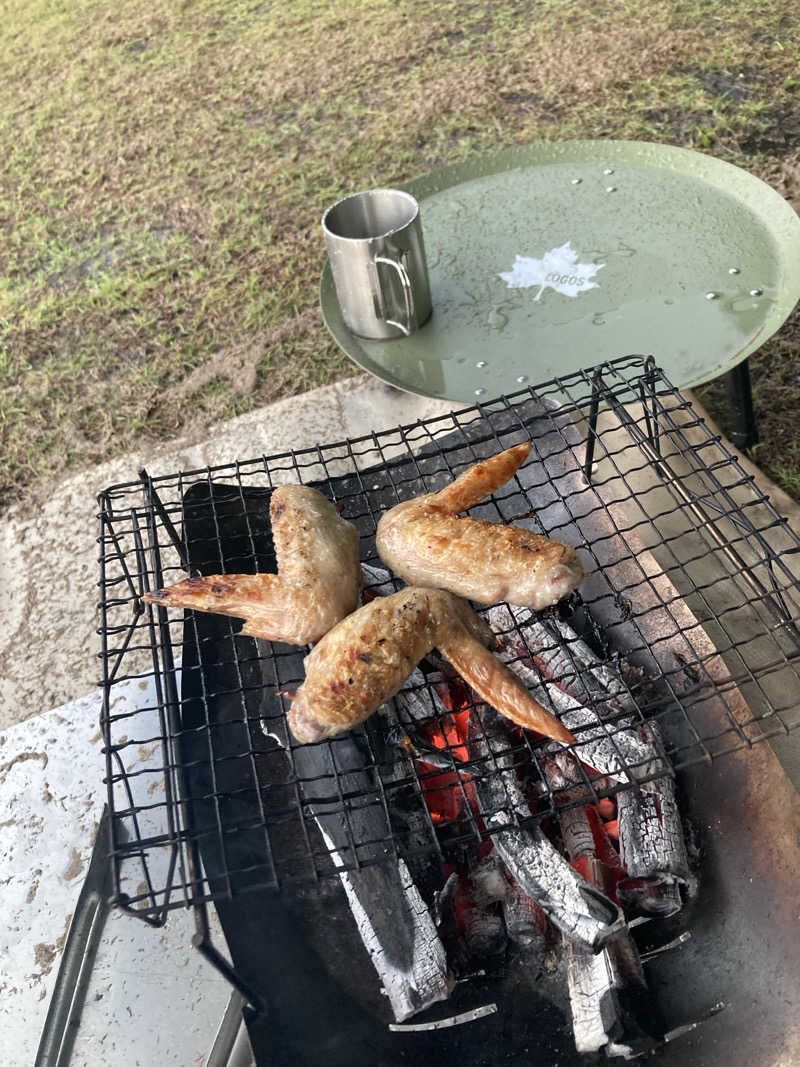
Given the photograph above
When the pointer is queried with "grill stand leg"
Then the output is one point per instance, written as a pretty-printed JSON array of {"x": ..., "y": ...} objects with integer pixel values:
[{"x": 744, "y": 432}]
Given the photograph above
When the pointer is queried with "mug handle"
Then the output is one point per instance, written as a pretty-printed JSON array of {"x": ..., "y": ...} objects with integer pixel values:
[{"x": 405, "y": 282}]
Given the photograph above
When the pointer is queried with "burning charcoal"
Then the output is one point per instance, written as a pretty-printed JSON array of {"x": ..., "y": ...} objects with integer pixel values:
[
  {"x": 398, "y": 933},
  {"x": 484, "y": 933},
  {"x": 652, "y": 846},
  {"x": 612, "y": 749},
  {"x": 610, "y": 1002},
  {"x": 526, "y": 923},
  {"x": 392, "y": 918},
  {"x": 419, "y": 750},
  {"x": 563, "y": 656},
  {"x": 581, "y": 912},
  {"x": 377, "y": 581},
  {"x": 418, "y": 702},
  {"x": 578, "y": 909},
  {"x": 589, "y": 848},
  {"x": 523, "y": 630},
  {"x": 650, "y": 831},
  {"x": 611, "y": 1005}
]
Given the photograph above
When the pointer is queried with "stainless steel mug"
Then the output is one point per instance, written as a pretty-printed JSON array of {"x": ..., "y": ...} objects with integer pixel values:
[{"x": 377, "y": 257}]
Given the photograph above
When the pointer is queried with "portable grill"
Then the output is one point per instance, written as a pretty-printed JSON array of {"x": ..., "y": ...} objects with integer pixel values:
[{"x": 224, "y": 806}]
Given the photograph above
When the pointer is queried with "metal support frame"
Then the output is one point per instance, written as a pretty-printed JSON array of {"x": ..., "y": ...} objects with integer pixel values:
[{"x": 744, "y": 430}]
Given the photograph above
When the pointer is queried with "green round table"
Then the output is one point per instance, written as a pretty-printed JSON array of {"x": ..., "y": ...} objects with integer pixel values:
[{"x": 553, "y": 257}]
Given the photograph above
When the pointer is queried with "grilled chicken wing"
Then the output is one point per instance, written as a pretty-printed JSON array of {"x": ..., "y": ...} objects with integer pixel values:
[
  {"x": 426, "y": 542},
  {"x": 364, "y": 660},
  {"x": 317, "y": 584}
]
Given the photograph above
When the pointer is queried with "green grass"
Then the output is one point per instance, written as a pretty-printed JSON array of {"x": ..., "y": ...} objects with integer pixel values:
[{"x": 164, "y": 172}]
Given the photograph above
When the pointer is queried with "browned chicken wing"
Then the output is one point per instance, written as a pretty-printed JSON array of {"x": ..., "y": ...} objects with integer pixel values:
[
  {"x": 364, "y": 660},
  {"x": 427, "y": 542},
  {"x": 317, "y": 584}
]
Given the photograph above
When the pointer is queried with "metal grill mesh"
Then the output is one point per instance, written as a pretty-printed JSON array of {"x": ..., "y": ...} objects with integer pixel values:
[{"x": 210, "y": 796}]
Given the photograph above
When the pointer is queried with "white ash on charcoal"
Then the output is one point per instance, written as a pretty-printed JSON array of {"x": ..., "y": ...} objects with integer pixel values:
[
  {"x": 651, "y": 835},
  {"x": 612, "y": 1009},
  {"x": 391, "y": 916},
  {"x": 653, "y": 847},
  {"x": 602, "y": 679},
  {"x": 610, "y": 748},
  {"x": 418, "y": 701},
  {"x": 484, "y": 932},
  {"x": 611, "y": 1005},
  {"x": 377, "y": 582},
  {"x": 602, "y": 676},
  {"x": 527, "y": 925},
  {"x": 489, "y": 881},
  {"x": 484, "y": 912},
  {"x": 652, "y": 844},
  {"x": 576, "y": 908},
  {"x": 569, "y": 662},
  {"x": 381, "y": 901}
]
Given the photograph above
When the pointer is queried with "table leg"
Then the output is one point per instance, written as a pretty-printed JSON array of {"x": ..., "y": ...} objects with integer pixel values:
[{"x": 744, "y": 431}]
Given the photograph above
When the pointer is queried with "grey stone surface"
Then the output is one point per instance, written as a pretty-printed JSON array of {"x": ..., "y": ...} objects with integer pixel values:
[{"x": 141, "y": 1003}]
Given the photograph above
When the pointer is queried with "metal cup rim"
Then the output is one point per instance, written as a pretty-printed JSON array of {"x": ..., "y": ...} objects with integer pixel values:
[{"x": 377, "y": 236}]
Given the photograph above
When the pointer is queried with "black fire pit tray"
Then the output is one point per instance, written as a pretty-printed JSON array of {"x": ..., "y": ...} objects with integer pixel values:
[{"x": 239, "y": 821}]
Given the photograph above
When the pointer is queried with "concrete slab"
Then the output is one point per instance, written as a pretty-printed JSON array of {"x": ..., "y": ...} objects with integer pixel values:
[{"x": 151, "y": 998}]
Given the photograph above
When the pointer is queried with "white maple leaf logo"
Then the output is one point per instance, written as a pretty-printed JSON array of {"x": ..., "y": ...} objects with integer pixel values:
[{"x": 557, "y": 269}]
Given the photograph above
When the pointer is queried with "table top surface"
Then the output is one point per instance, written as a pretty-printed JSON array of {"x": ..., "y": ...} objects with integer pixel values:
[{"x": 556, "y": 256}]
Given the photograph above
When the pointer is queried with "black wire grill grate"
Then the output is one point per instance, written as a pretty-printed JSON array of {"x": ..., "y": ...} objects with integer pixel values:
[{"x": 211, "y": 798}]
